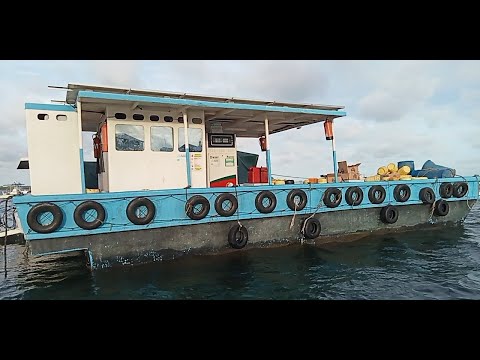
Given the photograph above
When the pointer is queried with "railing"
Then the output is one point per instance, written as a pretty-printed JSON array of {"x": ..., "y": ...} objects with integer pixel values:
[{"x": 7, "y": 218}]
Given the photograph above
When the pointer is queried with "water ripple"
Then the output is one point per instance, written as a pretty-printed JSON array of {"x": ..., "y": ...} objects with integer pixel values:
[{"x": 439, "y": 264}]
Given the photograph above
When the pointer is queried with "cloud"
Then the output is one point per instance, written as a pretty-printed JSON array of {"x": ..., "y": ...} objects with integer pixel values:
[
  {"x": 396, "y": 110},
  {"x": 121, "y": 73}
]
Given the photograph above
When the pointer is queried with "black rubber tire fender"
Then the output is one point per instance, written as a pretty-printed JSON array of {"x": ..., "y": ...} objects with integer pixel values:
[
  {"x": 35, "y": 225},
  {"x": 259, "y": 201},
  {"x": 427, "y": 195},
  {"x": 311, "y": 228},
  {"x": 291, "y": 199},
  {"x": 238, "y": 236},
  {"x": 402, "y": 192},
  {"x": 84, "y": 207},
  {"x": 192, "y": 203},
  {"x": 327, "y": 197},
  {"x": 446, "y": 190},
  {"x": 389, "y": 214},
  {"x": 219, "y": 204},
  {"x": 374, "y": 190},
  {"x": 460, "y": 189},
  {"x": 132, "y": 211},
  {"x": 350, "y": 193},
  {"x": 442, "y": 208}
]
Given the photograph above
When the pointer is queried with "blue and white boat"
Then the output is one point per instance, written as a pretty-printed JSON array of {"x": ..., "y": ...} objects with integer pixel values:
[{"x": 155, "y": 198}]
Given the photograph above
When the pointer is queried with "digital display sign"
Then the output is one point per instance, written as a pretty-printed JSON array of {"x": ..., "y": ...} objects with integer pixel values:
[{"x": 221, "y": 140}]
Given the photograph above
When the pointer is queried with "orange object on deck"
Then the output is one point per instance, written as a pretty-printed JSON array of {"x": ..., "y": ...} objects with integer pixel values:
[
  {"x": 328, "y": 126},
  {"x": 104, "y": 137}
]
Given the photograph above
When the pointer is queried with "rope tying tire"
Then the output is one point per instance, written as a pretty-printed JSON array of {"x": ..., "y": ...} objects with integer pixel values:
[
  {"x": 377, "y": 194},
  {"x": 221, "y": 200},
  {"x": 389, "y": 214},
  {"x": 442, "y": 208},
  {"x": 427, "y": 196},
  {"x": 133, "y": 211},
  {"x": 262, "y": 195},
  {"x": 296, "y": 205},
  {"x": 312, "y": 228},
  {"x": 42, "y": 208},
  {"x": 332, "y": 197},
  {"x": 83, "y": 208},
  {"x": 446, "y": 190},
  {"x": 401, "y": 192},
  {"x": 354, "y": 196},
  {"x": 460, "y": 189},
  {"x": 238, "y": 236},
  {"x": 192, "y": 210}
]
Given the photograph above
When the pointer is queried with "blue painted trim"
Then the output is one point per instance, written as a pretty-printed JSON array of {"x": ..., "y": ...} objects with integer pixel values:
[
  {"x": 170, "y": 204},
  {"x": 54, "y": 107},
  {"x": 203, "y": 103},
  {"x": 334, "y": 152},
  {"x": 82, "y": 171},
  {"x": 269, "y": 167},
  {"x": 187, "y": 162}
]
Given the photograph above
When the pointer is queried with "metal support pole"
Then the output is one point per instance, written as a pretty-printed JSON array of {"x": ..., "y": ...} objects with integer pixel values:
[
  {"x": 269, "y": 163},
  {"x": 334, "y": 152},
  {"x": 80, "y": 142},
  {"x": 187, "y": 150}
]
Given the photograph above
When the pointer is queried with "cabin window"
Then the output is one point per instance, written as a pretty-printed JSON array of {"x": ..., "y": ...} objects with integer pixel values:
[
  {"x": 168, "y": 119},
  {"x": 180, "y": 119},
  {"x": 154, "y": 117},
  {"x": 161, "y": 138},
  {"x": 129, "y": 137},
  {"x": 197, "y": 121},
  {"x": 195, "y": 139},
  {"x": 42, "y": 116},
  {"x": 62, "y": 117},
  {"x": 120, "y": 116},
  {"x": 138, "y": 117}
]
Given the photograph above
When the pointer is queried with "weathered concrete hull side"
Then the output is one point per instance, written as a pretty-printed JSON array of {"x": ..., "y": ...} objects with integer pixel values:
[{"x": 142, "y": 246}]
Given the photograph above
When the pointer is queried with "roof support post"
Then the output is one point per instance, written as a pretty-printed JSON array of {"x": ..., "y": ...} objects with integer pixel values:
[
  {"x": 187, "y": 150},
  {"x": 80, "y": 142},
  {"x": 267, "y": 140}
]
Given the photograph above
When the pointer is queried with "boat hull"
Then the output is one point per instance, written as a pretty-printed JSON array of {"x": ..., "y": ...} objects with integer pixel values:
[{"x": 150, "y": 245}]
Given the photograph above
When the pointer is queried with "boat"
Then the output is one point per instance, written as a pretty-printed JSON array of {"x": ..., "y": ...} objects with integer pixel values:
[{"x": 152, "y": 198}]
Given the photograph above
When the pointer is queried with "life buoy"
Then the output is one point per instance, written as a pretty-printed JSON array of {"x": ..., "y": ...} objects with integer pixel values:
[
  {"x": 42, "y": 208},
  {"x": 81, "y": 210},
  {"x": 460, "y": 189},
  {"x": 354, "y": 196},
  {"x": 441, "y": 208},
  {"x": 332, "y": 197},
  {"x": 311, "y": 228},
  {"x": 296, "y": 199},
  {"x": 377, "y": 194},
  {"x": 134, "y": 206},
  {"x": 262, "y": 195},
  {"x": 228, "y": 199},
  {"x": 427, "y": 196},
  {"x": 446, "y": 190},
  {"x": 238, "y": 236},
  {"x": 402, "y": 192},
  {"x": 197, "y": 207},
  {"x": 389, "y": 214}
]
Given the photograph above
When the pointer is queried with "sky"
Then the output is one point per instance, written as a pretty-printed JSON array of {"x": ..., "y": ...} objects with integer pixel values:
[{"x": 396, "y": 110}]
